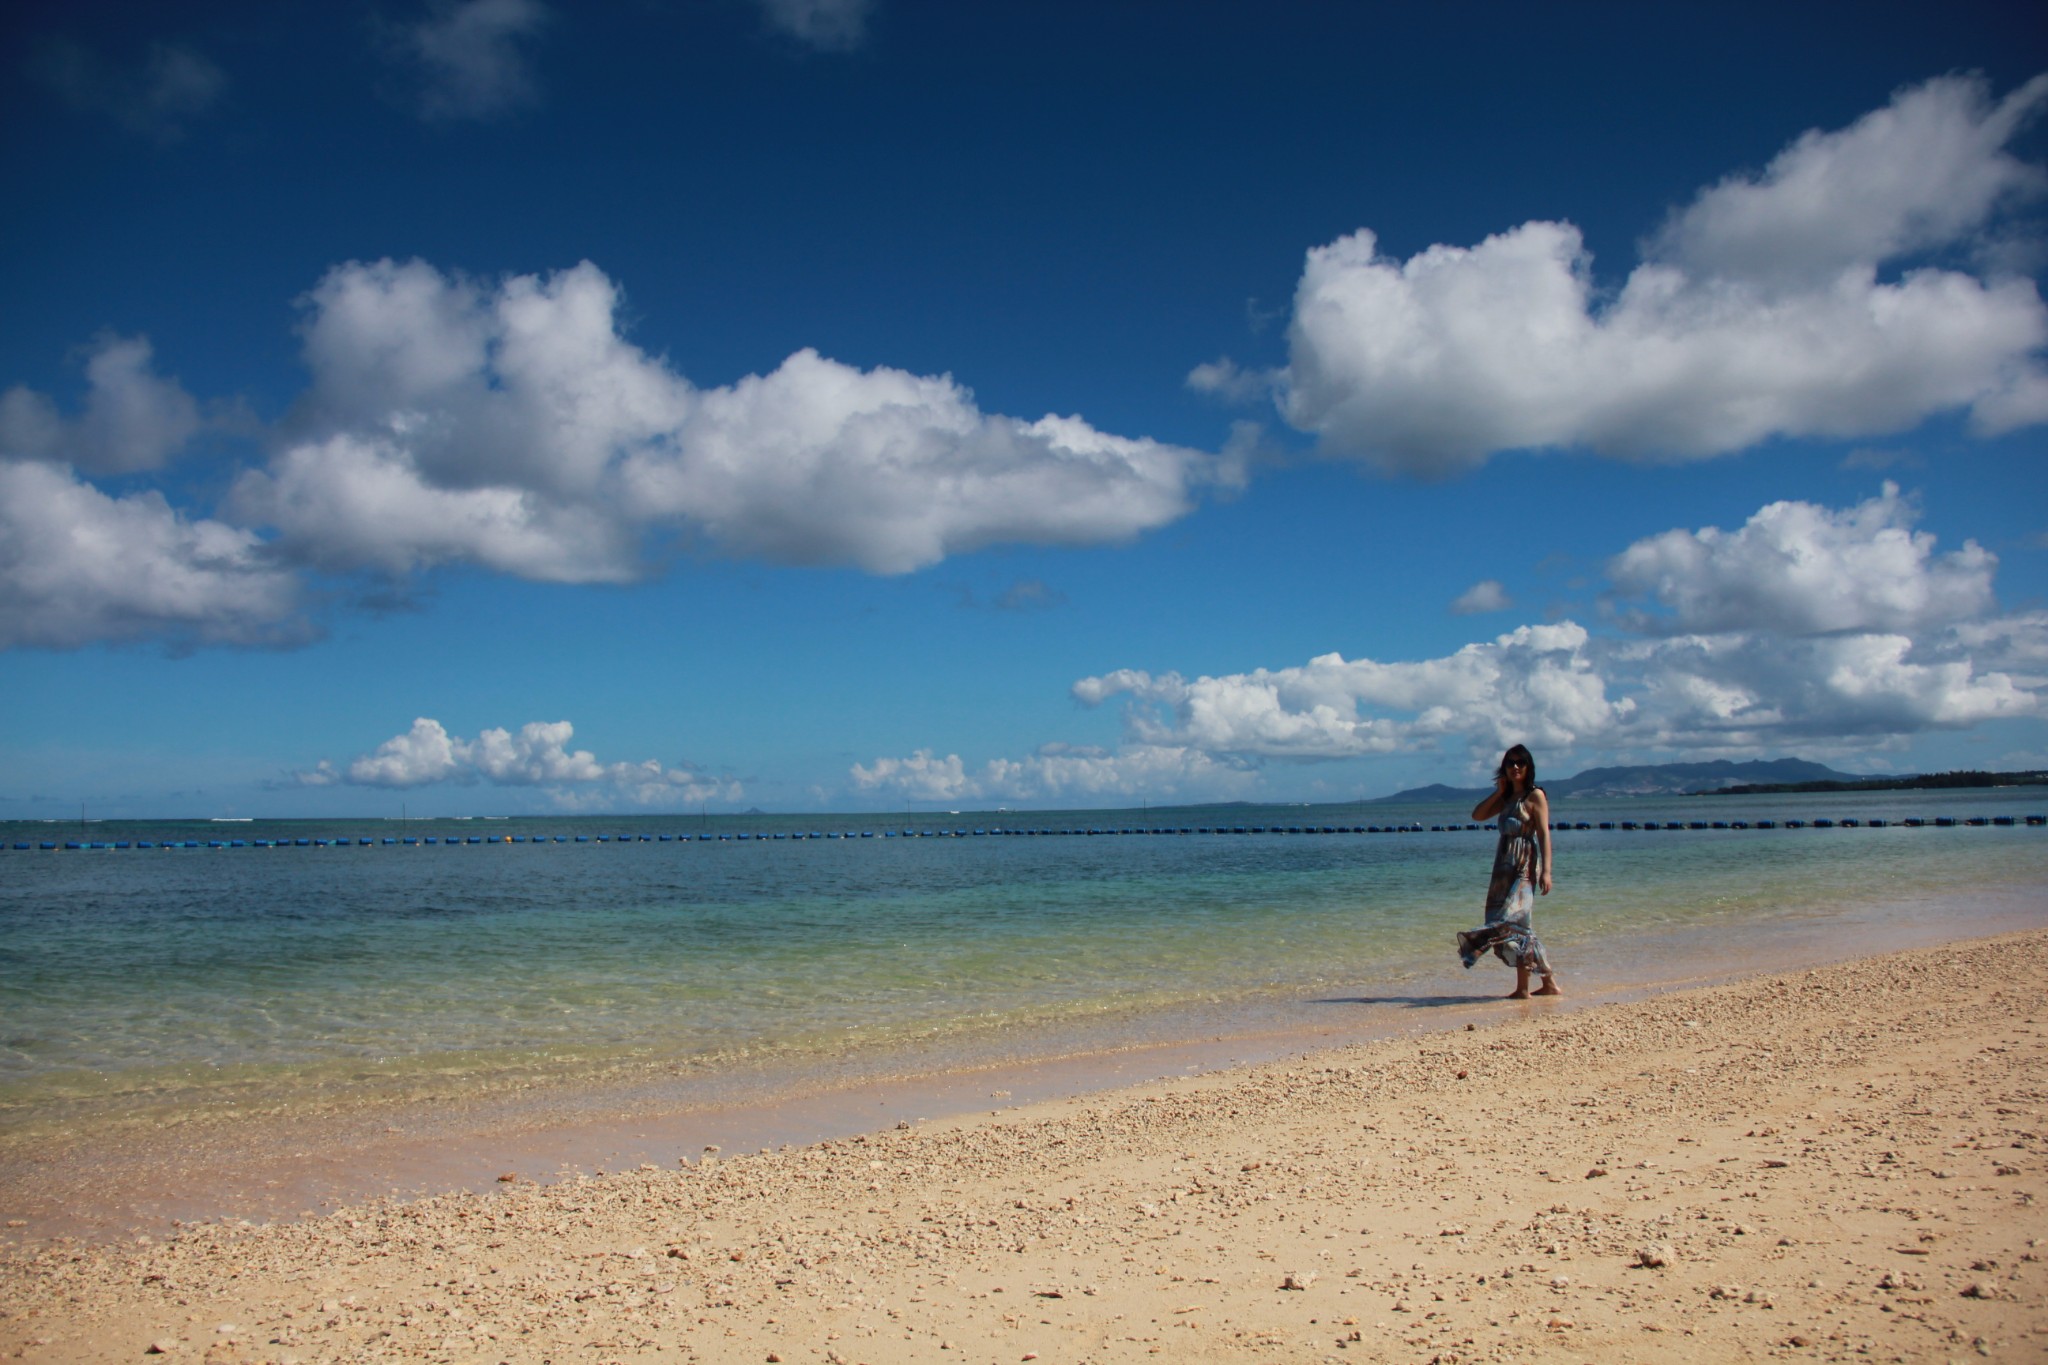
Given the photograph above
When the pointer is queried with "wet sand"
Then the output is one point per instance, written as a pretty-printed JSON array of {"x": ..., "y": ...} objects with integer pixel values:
[{"x": 1836, "y": 1163}]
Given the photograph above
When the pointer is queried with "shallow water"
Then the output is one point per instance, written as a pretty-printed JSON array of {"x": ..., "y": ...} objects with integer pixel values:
[{"x": 134, "y": 981}]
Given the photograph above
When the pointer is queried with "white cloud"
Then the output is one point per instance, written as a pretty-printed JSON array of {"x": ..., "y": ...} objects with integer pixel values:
[
  {"x": 1922, "y": 173},
  {"x": 827, "y": 25},
  {"x": 157, "y": 97},
  {"x": 133, "y": 420},
  {"x": 1225, "y": 379},
  {"x": 467, "y": 56},
  {"x": 423, "y": 754},
  {"x": 515, "y": 428},
  {"x": 348, "y": 503},
  {"x": 1536, "y": 683},
  {"x": 920, "y": 777},
  {"x": 818, "y": 462},
  {"x": 78, "y": 566},
  {"x": 1761, "y": 310},
  {"x": 1484, "y": 596},
  {"x": 1558, "y": 688},
  {"x": 1832, "y": 630},
  {"x": 536, "y": 755},
  {"x": 1798, "y": 569},
  {"x": 1156, "y": 772},
  {"x": 1744, "y": 691}
]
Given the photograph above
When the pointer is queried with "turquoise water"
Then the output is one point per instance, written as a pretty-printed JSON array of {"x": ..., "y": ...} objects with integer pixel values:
[{"x": 132, "y": 978}]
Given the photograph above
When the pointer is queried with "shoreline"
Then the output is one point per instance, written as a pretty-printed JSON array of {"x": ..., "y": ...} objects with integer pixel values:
[
  {"x": 1827, "y": 1161},
  {"x": 242, "y": 1164}
]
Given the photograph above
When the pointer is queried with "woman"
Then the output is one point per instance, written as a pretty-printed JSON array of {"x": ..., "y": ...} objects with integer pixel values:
[{"x": 1521, "y": 866}]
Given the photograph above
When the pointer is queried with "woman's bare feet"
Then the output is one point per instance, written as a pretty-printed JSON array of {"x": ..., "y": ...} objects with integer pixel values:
[{"x": 1549, "y": 987}]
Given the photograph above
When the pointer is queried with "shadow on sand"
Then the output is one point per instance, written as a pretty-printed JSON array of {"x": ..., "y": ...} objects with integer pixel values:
[{"x": 1413, "y": 1002}]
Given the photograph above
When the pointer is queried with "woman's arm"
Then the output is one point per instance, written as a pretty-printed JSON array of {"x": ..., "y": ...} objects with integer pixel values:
[
  {"x": 1539, "y": 811},
  {"x": 1490, "y": 807}
]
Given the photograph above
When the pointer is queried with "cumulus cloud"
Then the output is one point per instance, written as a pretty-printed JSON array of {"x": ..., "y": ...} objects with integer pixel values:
[
  {"x": 515, "y": 428},
  {"x": 537, "y": 755},
  {"x": 468, "y": 58},
  {"x": 350, "y": 503},
  {"x": 1919, "y": 174},
  {"x": 1799, "y": 569},
  {"x": 1056, "y": 771},
  {"x": 156, "y": 96},
  {"x": 1559, "y": 688},
  {"x": 133, "y": 419},
  {"x": 1830, "y": 629},
  {"x": 1484, "y": 596},
  {"x": 1539, "y": 683},
  {"x": 1763, "y": 309},
  {"x": 1751, "y": 691},
  {"x": 78, "y": 566},
  {"x": 512, "y": 427},
  {"x": 827, "y": 25}
]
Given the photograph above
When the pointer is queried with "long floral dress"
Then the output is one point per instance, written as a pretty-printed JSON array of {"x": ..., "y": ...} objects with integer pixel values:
[{"x": 1510, "y": 896}]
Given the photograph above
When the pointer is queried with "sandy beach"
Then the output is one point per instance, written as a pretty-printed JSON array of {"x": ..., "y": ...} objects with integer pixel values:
[{"x": 1832, "y": 1164}]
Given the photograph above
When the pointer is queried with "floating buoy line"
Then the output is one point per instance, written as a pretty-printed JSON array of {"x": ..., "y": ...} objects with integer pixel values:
[{"x": 706, "y": 837}]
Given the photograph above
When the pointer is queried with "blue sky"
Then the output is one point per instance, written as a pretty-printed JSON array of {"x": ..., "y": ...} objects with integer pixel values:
[{"x": 499, "y": 406}]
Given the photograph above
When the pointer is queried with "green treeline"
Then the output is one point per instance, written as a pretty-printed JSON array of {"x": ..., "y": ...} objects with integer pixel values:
[{"x": 1968, "y": 777}]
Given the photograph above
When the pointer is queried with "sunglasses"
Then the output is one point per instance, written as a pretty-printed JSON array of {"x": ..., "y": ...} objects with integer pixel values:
[{"x": 1516, "y": 763}]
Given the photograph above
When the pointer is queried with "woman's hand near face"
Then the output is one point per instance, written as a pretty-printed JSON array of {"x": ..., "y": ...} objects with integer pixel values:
[{"x": 1488, "y": 805}]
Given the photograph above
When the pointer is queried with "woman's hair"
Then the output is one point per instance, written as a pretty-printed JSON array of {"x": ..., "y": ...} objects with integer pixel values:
[{"x": 1520, "y": 751}]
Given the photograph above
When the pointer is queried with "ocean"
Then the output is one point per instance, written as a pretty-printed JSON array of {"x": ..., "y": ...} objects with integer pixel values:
[{"x": 137, "y": 983}]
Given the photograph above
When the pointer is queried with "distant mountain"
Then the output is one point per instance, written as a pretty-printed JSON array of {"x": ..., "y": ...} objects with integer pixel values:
[
  {"x": 1652, "y": 779},
  {"x": 1435, "y": 791},
  {"x": 1675, "y": 779}
]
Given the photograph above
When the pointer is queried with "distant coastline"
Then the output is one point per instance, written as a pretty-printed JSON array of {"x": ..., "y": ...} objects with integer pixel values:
[
  {"x": 2034, "y": 777},
  {"x": 1663, "y": 779}
]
